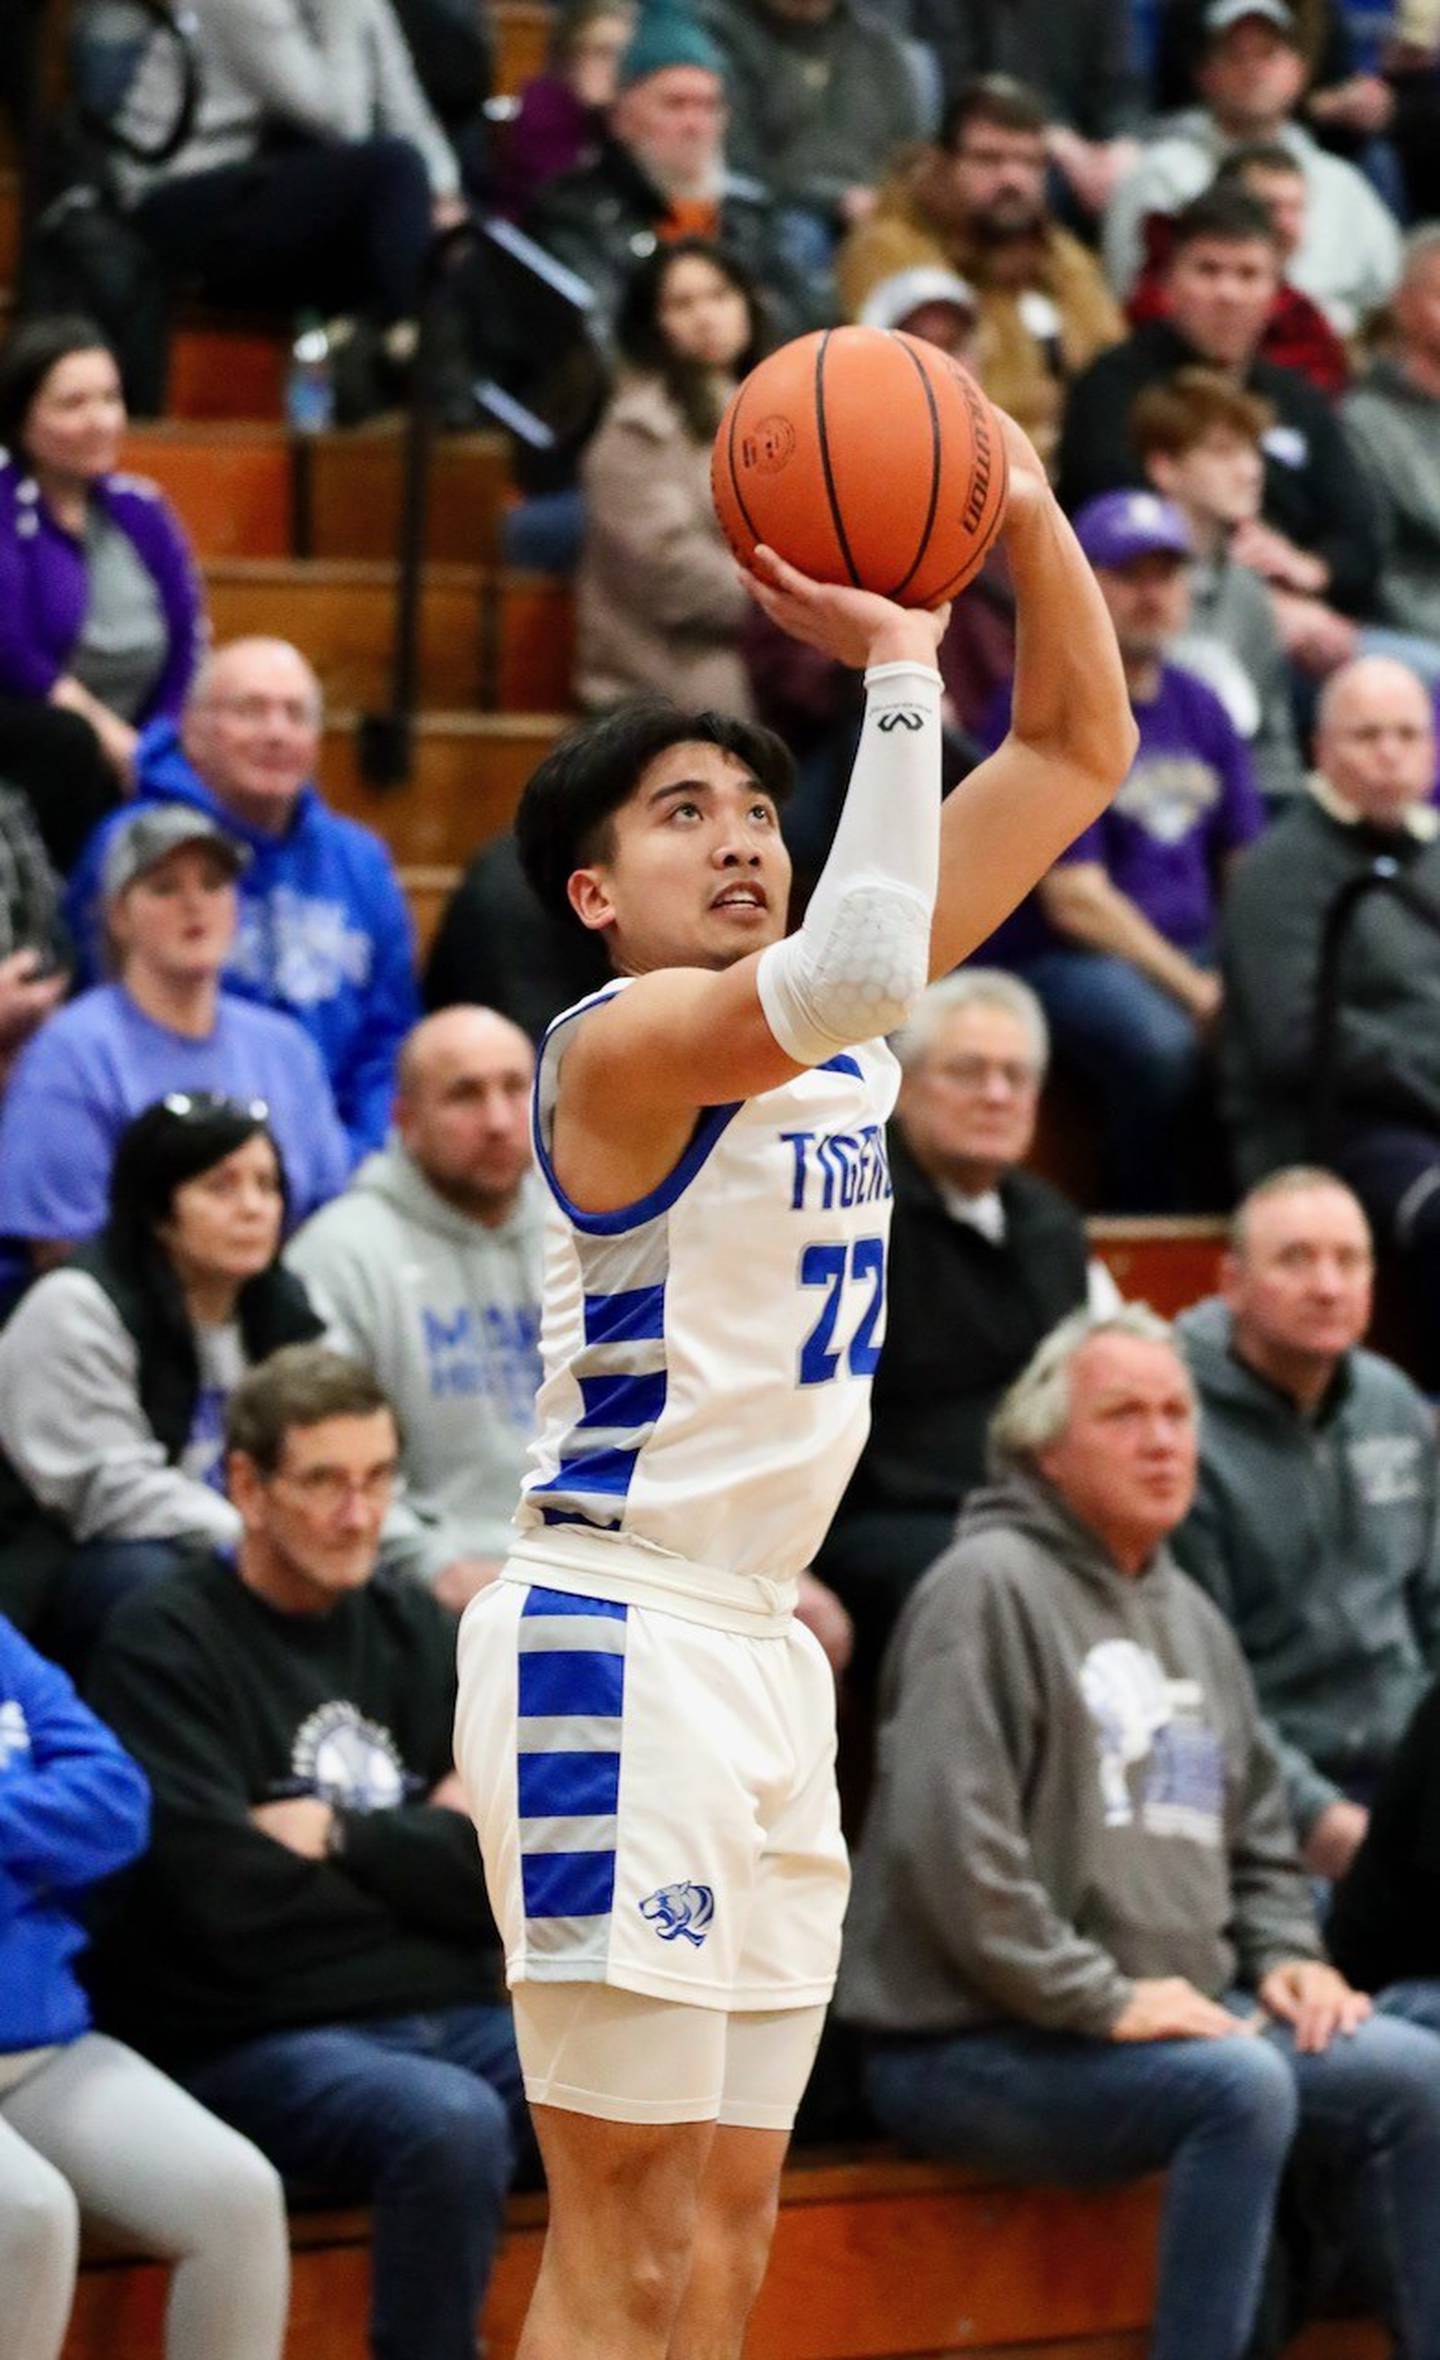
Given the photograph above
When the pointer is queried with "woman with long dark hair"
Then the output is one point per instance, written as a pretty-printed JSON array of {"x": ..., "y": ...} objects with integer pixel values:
[
  {"x": 661, "y": 607},
  {"x": 116, "y": 1369},
  {"x": 101, "y": 613}
]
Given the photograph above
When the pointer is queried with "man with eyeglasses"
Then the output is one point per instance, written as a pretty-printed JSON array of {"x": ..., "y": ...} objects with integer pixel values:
[
  {"x": 308, "y": 1940},
  {"x": 324, "y": 931},
  {"x": 974, "y": 203},
  {"x": 985, "y": 1260}
]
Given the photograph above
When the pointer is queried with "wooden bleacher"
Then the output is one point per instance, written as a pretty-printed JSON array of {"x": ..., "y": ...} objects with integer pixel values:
[{"x": 875, "y": 2259}]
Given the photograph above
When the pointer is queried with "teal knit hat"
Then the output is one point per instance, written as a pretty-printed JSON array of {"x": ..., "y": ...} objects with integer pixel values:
[{"x": 668, "y": 35}]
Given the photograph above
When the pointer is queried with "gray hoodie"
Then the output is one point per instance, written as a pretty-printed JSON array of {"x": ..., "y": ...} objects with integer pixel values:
[
  {"x": 1395, "y": 427},
  {"x": 447, "y": 1314},
  {"x": 1074, "y": 1791},
  {"x": 1317, "y": 1539}
]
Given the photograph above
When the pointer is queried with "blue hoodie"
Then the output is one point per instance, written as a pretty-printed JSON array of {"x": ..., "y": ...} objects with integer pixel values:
[
  {"x": 73, "y": 1807},
  {"x": 324, "y": 933}
]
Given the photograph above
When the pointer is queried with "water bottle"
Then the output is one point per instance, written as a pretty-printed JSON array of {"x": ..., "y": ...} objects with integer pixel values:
[{"x": 310, "y": 386}]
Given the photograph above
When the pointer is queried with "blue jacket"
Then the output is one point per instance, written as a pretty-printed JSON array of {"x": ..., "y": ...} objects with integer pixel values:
[
  {"x": 73, "y": 1807},
  {"x": 324, "y": 933}
]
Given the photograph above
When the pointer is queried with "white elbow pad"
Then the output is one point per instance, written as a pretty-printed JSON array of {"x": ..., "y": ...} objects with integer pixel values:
[
  {"x": 862, "y": 958},
  {"x": 853, "y": 978}
]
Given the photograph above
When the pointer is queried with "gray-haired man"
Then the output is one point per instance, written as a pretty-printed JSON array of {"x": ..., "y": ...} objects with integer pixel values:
[{"x": 1080, "y": 1933}]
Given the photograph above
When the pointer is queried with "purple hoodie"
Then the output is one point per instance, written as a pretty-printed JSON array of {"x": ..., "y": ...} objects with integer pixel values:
[{"x": 43, "y": 587}]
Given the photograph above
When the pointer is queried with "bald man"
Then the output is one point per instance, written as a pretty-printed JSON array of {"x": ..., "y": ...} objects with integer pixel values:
[
  {"x": 1367, "y": 822},
  {"x": 324, "y": 928},
  {"x": 429, "y": 1268}
]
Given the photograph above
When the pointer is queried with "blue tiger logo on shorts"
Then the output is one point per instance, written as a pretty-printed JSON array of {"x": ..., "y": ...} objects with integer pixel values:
[{"x": 680, "y": 1911}]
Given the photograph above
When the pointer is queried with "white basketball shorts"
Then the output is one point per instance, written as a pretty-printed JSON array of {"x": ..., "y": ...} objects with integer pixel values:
[{"x": 655, "y": 1798}]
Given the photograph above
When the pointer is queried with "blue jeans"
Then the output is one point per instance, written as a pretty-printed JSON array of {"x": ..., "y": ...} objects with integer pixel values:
[
  {"x": 420, "y": 2117},
  {"x": 1220, "y": 2118},
  {"x": 1142, "y": 1055}
]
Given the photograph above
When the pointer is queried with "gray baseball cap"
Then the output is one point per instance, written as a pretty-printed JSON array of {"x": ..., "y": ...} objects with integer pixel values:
[
  {"x": 1222, "y": 14},
  {"x": 146, "y": 837}
]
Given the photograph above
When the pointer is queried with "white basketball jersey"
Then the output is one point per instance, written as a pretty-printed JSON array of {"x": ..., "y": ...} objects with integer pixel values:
[{"x": 708, "y": 1351}]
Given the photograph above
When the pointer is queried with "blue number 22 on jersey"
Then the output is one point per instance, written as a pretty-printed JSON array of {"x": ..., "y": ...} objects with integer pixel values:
[{"x": 831, "y": 1266}]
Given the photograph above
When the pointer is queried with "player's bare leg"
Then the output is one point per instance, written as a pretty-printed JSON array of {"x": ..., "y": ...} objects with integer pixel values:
[
  {"x": 625, "y": 2209},
  {"x": 739, "y": 2199}
]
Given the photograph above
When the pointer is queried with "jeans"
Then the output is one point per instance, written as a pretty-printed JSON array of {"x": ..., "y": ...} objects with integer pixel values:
[
  {"x": 421, "y": 2117},
  {"x": 1142, "y": 1055},
  {"x": 339, "y": 227},
  {"x": 1221, "y": 2119}
]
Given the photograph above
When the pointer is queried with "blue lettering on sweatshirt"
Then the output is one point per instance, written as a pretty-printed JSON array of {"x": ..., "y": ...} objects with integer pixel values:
[{"x": 485, "y": 1351}]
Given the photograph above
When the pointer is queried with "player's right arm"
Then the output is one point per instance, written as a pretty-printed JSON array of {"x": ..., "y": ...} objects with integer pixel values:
[{"x": 682, "y": 1038}]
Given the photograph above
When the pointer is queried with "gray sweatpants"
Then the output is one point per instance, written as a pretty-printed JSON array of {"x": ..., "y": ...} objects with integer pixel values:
[{"x": 96, "y": 2134}]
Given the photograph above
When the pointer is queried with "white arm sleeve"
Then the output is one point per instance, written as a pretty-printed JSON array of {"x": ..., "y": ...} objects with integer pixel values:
[{"x": 857, "y": 966}]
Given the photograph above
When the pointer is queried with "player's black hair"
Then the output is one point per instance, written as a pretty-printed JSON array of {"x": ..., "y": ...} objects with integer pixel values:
[
  {"x": 563, "y": 816},
  {"x": 1229, "y": 215}
]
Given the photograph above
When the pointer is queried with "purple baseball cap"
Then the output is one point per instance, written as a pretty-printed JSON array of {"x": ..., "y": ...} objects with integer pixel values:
[{"x": 1120, "y": 526}]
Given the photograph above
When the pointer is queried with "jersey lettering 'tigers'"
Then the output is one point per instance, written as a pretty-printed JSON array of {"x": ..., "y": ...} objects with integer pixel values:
[{"x": 708, "y": 1351}]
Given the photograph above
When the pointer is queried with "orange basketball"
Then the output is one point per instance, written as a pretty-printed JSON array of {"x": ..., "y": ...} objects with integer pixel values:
[{"x": 863, "y": 455}]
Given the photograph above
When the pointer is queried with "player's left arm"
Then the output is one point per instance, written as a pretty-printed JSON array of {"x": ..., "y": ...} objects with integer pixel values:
[{"x": 1072, "y": 735}]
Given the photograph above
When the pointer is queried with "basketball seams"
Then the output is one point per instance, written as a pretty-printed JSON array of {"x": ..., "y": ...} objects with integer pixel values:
[
  {"x": 936, "y": 463},
  {"x": 965, "y": 573},
  {"x": 823, "y": 437},
  {"x": 819, "y": 488},
  {"x": 736, "y": 407}
]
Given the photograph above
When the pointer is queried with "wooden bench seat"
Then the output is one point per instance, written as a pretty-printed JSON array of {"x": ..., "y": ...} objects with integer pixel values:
[
  {"x": 232, "y": 485},
  {"x": 341, "y": 613},
  {"x": 469, "y": 770},
  {"x": 247, "y": 488},
  {"x": 353, "y": 490},
  {"x": 1168, "y": 1262},
  {"x": 875, "y": 2259}
]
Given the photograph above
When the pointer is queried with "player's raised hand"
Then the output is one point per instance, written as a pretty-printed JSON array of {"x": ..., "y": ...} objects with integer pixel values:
[{"x": 855, "y": 627}]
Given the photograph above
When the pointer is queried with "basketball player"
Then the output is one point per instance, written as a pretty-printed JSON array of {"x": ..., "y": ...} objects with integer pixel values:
[{"x": 645, "y": 1734}]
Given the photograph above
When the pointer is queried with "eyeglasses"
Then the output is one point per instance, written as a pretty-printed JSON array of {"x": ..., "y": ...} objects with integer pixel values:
[
  {"x": 200, "y": 1106},
  {"x": 973, "y": 1073},
  {"x": 330, "y": 1489}
]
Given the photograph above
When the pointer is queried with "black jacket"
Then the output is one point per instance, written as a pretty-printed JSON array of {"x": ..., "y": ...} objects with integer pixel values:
[
  {"x": 497, "y": 946},
  {"x": 222, "y": 1933},
  {"x": 273, "y": 1309},
  {"x": 1315, "y": 491},
  {"x": 964, "y": 1316},
  {"x": 602, "y": 220},
  {"x": 1385, "y": 1923},
  {"x": 1387, "y": 1041}
]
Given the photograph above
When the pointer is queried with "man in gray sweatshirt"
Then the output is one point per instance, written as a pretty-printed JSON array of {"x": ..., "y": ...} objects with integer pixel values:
[
  {"x": 1316, "y": 1523},
  {"x": 1080, "y": 1938},
  {"x": 1393, "y": 419},
  {"x": 429, "y": 1269}
]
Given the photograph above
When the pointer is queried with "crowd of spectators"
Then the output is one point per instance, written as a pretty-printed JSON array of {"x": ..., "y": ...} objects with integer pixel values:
[{"x": 1145, "y": 1621}]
